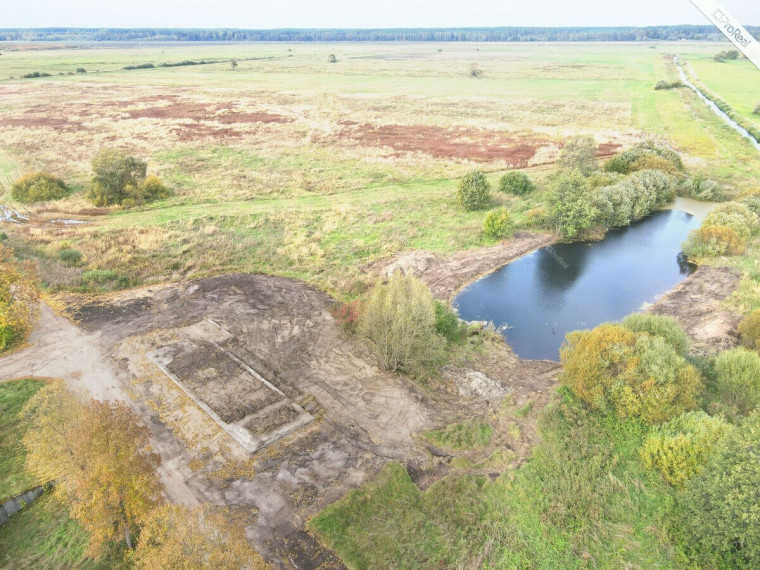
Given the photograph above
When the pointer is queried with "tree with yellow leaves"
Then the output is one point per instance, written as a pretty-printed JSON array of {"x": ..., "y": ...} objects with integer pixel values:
[
  {"x": 114, "y": 482},
  {"x": 19, "y": 298},
  {"x": 177, "y": 537}
]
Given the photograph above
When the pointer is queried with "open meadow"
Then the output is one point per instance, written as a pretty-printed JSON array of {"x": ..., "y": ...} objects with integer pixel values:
[
  {"x": 280, "y": 329},
  {"x": 294, "y": 166}
]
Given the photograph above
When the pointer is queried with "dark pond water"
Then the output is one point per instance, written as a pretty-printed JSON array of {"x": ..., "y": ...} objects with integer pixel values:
[{"x": 571, "y": 286}]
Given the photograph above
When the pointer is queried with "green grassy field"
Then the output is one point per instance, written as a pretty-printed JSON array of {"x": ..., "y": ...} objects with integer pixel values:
[
  {"x": 294, "y": 166},
  {"x": 583, "y": 501}
]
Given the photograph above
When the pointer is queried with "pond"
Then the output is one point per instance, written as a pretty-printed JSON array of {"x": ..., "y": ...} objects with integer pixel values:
[{"x": 569, "y": 286}]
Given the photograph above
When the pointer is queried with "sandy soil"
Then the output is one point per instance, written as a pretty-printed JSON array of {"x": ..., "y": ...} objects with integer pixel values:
[
  {"x": 447, "y": 275},
  {"x": 696, "y": 304}
]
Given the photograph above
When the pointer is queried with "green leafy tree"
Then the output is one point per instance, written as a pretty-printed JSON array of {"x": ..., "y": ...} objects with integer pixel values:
[
  {"x": 571, "y": 207},
  {"x": 474, "y": 191},
  {"x": 580, "y": 153},
  {"x": 399, "y": 320},
  {"x": 116, "y": 175}
]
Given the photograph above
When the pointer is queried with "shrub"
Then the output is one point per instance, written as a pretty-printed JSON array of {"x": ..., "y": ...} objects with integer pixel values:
[
  {"x": 580, "y": 153},
  {"x": 498, "y": 224},
  {"x": 756, "y": 110},
  {"x": 701, "y": 188},
  {"x": 714, "y": 241},
  {"x": 347, "y": 314},
  {"x": 662, "y": 326},
  {"x": 679, "y": 449},
  {"x": 720, "y": 508},
  {"x": 749, "y": 330},
  {"x": 150, "y": 189},
  {"x": 571, "y": 207},
  {"x": 474, "y": 191},
  {"x": 332, "y": 59},
  {"x": 623, "y": 162},
  {"x": 751, "y": 199},
  {"x": 81, "y": 70},
  {"x": 516, "y": 183},
  {"x": 70, "y": 257},
  {"x": 613, "y": 369},
  {"x": 737, "y": 380},
  {"x": 654, "y": 162},
  {"x": 735, "y": 216},
  {"x": 662, "y": 85},
  {"x": 447, "y": 323},
  {"x": 399, "y": 321},
  {"x": 38, "y": 187}
]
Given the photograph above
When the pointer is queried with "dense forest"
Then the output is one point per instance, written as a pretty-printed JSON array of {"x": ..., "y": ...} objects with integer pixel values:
[{"x": 501, "y": 34}]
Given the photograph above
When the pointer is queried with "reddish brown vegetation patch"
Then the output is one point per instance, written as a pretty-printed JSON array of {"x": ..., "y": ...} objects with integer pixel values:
[
  {"x": 463, "y": 143},
  {"x": 195, "y": 131},
  {"x": 55, "y": 123},
  {"x": 606, "y": 150},
  {"x": 197, "y": 112}
]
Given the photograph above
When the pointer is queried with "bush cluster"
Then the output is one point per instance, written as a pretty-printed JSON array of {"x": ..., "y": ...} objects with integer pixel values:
[
  {"x": 474, "y": 191},
  {"x": 38, "y": 187},
  {"x": 662, "y": 85},
  {"x": 498, "y": 224},
  {"x": 35, "y": 74},
  {"x": 678, "y": 449},
  {"x": 635, "y": 375},
  {"x": 751, "y": 199},
  {"x": 720, "y": 505},
  {"x": 70, "y": 257},
  {"x": 756, "y": 110},
  {"x": 725, "y": 231},
  {"x": 623, "y": 162},
  {"x": 139, "y": 66},
  {"x": 632, "y": 198},
  {"x": 726, "y": 55},
  {"x": 19, "y": 297},
  {"x": 448, "y": 324},
  {"x": 516, "y": 183}
]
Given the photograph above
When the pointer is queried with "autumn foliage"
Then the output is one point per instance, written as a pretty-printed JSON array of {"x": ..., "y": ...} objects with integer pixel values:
[
  {"x": 634, "y": 375},
  {"x": 177, "y": 537},
  {"x": 19, "y": 298}
]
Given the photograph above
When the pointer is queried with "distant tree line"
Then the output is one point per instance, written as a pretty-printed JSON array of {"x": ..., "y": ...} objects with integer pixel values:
[{"x": 501, "y": 34}]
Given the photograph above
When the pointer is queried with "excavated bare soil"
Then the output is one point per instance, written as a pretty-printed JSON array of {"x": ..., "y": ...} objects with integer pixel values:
[
  {"x": 447, "y": 275},
  {"x": 696, "y": 304},
  {"x": 215, "y": 337}
]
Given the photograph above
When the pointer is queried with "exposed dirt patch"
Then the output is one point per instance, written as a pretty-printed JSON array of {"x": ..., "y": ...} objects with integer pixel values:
[
  {"x": 695, "y": 304},
  {"x": 283, "y": 330},
  {"x": 446, "y": 275}
]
